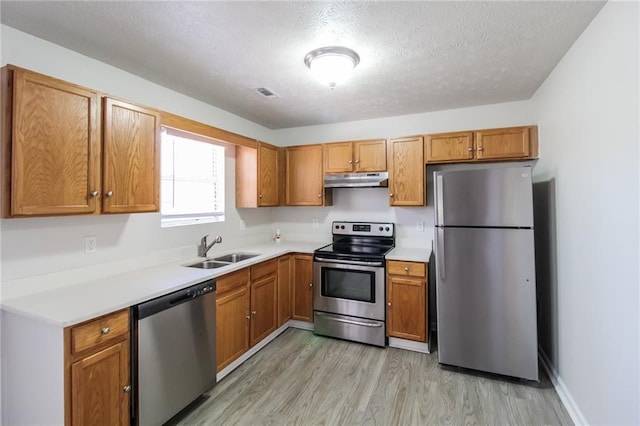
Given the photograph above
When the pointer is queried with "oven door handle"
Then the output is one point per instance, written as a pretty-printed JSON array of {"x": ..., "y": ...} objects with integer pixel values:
[
  {"x": 348, "y": 321},
  {"x": 349, "y": 262}
]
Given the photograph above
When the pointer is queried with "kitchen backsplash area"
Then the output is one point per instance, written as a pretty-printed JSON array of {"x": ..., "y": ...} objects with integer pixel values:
[{"x": 414, "y": 225}]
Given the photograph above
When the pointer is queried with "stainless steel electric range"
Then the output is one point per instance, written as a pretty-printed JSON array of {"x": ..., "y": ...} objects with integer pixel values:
[{"x": 349, "y": 277}]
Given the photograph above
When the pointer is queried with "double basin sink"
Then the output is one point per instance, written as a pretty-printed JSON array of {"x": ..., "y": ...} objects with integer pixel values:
[{"x": 220, "y": 261}]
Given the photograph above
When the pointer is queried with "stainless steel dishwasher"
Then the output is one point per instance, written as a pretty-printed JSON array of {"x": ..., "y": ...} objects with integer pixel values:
[{"x": 174, "y": 358}]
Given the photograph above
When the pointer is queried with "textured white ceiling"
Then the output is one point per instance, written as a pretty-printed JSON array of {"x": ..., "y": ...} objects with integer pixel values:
[{"x": 415, "y": 56}]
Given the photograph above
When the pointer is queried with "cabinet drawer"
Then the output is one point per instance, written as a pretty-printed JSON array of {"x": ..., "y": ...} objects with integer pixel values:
[
  {"x": 232, "y": 281},
  {"x": 264, "y": 268},
  {"x": 414, "y": 269},
  {"x": 100, "y": 330}
]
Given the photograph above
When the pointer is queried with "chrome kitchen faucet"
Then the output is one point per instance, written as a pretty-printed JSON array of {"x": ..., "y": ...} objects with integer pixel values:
[{"x": 203, "y": 248}]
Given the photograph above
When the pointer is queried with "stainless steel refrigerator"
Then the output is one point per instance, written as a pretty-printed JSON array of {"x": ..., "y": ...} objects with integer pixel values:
[{"x": 485, "y": 270}]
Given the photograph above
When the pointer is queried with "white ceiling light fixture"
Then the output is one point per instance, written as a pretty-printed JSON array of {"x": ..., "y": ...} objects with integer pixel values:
[{"x": 332, "y": 64}]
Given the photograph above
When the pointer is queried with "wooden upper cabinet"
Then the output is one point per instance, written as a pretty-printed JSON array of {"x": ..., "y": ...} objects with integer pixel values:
[
  {"x": 507, "y": 143},
  {"x": 50, "y": 147},
  {"x": 406, "y": 171},
  {"x": 447, "y": 147},
  {"x": 258, "y": 176},
  {"x": 304, "y": 178},
  {"x": 131, "y": 162},
  {"x": 358, "y": 156},
  {"x": 513, "y": 142}
]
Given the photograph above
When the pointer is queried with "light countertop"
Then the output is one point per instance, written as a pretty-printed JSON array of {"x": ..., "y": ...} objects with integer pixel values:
[{"x": 64, "y": 306}]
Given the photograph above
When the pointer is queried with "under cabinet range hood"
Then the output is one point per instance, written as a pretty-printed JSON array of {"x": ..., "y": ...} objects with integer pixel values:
[{"x": 356, "y": 180}]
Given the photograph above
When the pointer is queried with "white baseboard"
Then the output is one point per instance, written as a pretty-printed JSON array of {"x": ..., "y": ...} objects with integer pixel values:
[
  {"x": 562, "y": 390},
  {"x": 409, "y": 345},
  {"x": 301, "y": 325}
]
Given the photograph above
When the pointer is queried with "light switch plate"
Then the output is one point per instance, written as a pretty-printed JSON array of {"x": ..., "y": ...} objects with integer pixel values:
[
  {"x": 420, "y": 226},
  {"x": 316, "y": 223}
]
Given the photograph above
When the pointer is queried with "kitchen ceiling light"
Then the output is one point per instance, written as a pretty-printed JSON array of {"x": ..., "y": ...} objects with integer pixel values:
[{"x": 332, "y": 64}]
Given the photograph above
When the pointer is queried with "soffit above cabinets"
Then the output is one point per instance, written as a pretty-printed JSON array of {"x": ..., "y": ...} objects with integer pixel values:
[{"x": 415, "y": 56}]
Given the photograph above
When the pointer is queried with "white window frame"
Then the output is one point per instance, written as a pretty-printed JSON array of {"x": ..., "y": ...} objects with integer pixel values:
[{"x": 182, "y": 219}]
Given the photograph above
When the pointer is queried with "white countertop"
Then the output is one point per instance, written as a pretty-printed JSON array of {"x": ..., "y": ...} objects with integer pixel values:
[
  {"x": 69, "y": 305},
  {"x": 64, "y": 306},
  {"x": 409, "y": 254}
]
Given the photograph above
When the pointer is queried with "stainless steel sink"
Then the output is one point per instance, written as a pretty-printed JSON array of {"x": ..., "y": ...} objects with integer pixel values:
[
  {"x": 235, "y": 257},
  {"x": 209, "y": 264}
]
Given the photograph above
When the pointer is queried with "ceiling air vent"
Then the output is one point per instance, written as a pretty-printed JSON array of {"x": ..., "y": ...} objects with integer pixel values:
[{"x": 267, "y": 93}]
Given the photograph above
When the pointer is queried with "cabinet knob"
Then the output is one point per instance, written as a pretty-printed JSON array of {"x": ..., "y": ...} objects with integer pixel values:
[
  {"x": 127, "y": 389},
  {"x": 105, "y": 330},
  {"x": 470, "y": 149},
  {"x": 357, "y": 161},
  {"x": 253, "y": 312},
  {"x": 319, "y": 195},
  {"x": 391, "y": 195},
  {"x": 480, "y": 148},
  {"x": 109, "y": 194},
  {"x": 388, "y": 303},
  {"x": 310, "y": 284},
  {"x": 350, "y": 161},
  {"x": 406, "y": 268},
  {"x": 94, "y": 194},
  {"x": 248, "y": 317},
  {"x": 260, "y": 195}
]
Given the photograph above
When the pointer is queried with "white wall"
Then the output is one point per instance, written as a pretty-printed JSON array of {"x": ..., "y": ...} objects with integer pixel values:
[{"x": 588, "y": 115}]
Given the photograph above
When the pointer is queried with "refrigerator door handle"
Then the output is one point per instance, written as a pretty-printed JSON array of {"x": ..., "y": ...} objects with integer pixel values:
[
  {"x": 440, "y": 251},
  {"x": 439, "y": 201}
]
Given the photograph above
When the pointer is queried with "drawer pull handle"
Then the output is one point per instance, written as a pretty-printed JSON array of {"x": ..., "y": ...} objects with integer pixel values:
[
  {"x": 406, "y": 268},
  {"x": 388, "y": 303},
  {"x": 105, "y": 330}
]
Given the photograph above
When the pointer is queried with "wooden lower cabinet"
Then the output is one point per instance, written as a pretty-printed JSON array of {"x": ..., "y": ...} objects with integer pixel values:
[
  {"x": 97, "y": 371},
  {"x": 302, "y": 302},
  {"x": 407, "y": 300},
  {"x": 246, "y": 310},
  {"x": 264, "y": 307},
  {"x": 284, "y": 289},
  {"x": 232, "y": 317}
]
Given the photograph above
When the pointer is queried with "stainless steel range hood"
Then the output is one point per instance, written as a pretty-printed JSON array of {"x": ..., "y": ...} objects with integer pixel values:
[{"x": 356, "y": 180}]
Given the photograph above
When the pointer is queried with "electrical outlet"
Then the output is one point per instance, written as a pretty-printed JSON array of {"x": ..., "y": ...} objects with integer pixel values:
[
  {"x": 243, "y": 225},
  {"x": 420, "y": 226},
  {"x": 316, "y": 223},
  {"x": 90, "y": 244}
]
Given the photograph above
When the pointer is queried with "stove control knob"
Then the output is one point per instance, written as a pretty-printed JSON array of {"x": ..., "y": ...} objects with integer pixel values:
[
  {"x": 386, "y": 229},
  {"x": 342, "y": 227},
  {"x": 337, "y": 226},
  {"x": 380, "y": 229}
]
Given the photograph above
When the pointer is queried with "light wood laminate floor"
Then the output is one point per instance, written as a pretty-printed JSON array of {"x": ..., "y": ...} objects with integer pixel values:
[{"x": 304, "y": 379}]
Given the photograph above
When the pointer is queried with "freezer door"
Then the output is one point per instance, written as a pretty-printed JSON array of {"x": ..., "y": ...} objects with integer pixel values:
[
  {"x": 486, "y": 296},
  {"x": 496, "y": 197}
]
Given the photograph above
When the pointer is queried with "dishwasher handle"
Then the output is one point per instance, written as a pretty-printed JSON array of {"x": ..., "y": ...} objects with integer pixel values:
[{"x": 176, "y": 298}]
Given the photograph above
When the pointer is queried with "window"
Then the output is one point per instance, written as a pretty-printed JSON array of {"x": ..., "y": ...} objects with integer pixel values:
[{"x": 192, "y": 179}]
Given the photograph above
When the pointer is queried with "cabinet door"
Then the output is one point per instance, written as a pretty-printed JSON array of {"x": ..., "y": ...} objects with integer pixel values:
[
  {"x": 370, "y": 156},
  {"x": 406, "y": 172},
  {"x": 407, "y": 308},
  {"x": 131, "y": 158},
  {"x": 232, "y": 325},
  {"x": 55, "y": 147},
  {"x": 98, "y": 382},
  {"x": 284, "y": 289},
  {"x": 302, "y": 287},
  {"x": 338, "y": 157},
  {"x": 267, "y": 175},
  {"x": 446, "y": 147},
  {"x": 304, "y": 181},
  {"x": 264, "y": 308},
  {"x": 503, "y": 143}
]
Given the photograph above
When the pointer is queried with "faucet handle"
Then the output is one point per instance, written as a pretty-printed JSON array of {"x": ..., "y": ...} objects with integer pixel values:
[{"x": 218, "y": 239}]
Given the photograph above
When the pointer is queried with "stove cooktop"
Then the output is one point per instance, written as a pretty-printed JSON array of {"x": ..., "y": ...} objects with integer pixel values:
[{"x": 359, "y": 239}]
